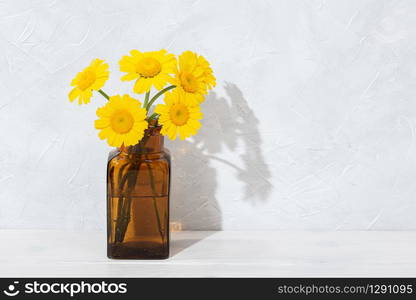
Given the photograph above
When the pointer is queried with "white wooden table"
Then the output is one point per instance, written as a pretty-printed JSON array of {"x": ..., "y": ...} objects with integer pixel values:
[{"x": 41, "y": 253}]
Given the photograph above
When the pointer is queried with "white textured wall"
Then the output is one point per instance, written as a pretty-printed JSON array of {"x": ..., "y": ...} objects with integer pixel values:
[{"x": 312, "y": 124}]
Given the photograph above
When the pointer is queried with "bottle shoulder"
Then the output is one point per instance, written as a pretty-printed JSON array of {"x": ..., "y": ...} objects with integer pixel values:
[
  {"x": 118, "y": 157},
  {"x": 112, "y": 154}
]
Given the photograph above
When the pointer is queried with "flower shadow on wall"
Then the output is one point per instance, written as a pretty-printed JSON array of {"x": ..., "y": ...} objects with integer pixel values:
[{"x": 227, "y": 123}]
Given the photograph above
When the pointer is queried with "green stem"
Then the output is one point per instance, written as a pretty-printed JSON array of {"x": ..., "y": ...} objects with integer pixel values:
[
  {"x": 104, "y": 94},
  {"x": 160, "y": 93},
  {"x": 152, "y": 184},
  {"x": 128, "y": 177},
  {"x": 122, "y": 180},
  {"x": 146, "y": 100},
  {"x": 154, "y": 115},
  {"x": 125, "y": 220}
]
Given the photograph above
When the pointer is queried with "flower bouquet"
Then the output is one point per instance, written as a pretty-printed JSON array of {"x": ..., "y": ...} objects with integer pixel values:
[{"x": 138, "y": 170}]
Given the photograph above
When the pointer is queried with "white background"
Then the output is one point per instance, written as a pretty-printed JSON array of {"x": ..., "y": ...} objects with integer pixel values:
[{"x": 311, "y": 126}]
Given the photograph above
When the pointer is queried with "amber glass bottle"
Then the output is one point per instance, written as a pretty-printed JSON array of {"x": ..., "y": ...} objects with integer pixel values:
[{"x": 138, "y": 183}]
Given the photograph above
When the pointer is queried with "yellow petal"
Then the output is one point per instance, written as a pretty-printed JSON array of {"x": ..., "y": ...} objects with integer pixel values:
[
  {"x": 101, "y": 123},
  {"x": 74, "y": 94},
  {"x": 142, "y": 85},
  {"x": 130, "y": 76},
  {"x": 183, "y": 132}
]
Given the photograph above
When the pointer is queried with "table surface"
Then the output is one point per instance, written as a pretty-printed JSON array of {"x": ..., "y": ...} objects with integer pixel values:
[{"x": 42, "y": 253}]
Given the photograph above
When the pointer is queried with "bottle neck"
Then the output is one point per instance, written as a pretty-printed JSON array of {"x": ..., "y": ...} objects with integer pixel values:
[{"x": 152, "y": 142}]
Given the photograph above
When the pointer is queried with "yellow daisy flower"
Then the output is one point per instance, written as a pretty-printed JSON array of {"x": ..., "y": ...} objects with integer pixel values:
[
  {"x": 209, "y": 77},
  {"x": 148, "y": 69},
  {"x": 91, "y": 78},
  {"x": 193, "y": 77},
  {"x": 121, "y": 121},
  {"x": 178, "y": 116}
]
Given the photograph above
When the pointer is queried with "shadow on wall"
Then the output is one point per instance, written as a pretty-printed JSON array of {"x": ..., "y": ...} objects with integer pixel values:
[{"x": 228, "y": 122}]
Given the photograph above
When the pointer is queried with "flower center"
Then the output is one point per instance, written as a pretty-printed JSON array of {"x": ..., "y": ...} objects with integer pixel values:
[
  {"x": 86, "y": 80},
  {"x": 148, "y": 67},
  {"x": 179, "y": 114},
  {"x": 188, "y": 82},
  {"x": 122, "y": 121}
]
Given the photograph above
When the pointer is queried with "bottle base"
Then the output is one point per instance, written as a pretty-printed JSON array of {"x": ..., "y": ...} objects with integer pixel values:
[{"x": 137, "y": 250}]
